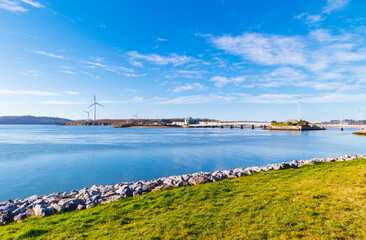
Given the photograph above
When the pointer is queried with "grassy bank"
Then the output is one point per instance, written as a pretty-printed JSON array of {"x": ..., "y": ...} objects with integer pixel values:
[{"x": 320, "y": 201}]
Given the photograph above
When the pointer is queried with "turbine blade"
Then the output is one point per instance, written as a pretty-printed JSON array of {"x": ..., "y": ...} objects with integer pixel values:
[
  {"x": 91, "y": 105},
  {"x": 95, "y": 98},
  {"x": 99, "y": 104}
]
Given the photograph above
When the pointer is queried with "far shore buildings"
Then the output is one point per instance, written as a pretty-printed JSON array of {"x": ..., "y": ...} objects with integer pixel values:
[{"x": 187, "y": 121}]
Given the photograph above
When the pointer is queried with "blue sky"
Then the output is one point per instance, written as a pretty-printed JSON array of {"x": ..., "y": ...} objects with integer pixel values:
[{"x": 229, "y": 60}]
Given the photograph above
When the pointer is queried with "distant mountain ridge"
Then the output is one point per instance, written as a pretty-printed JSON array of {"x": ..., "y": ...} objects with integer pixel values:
[{"x": 32, "y": 120}]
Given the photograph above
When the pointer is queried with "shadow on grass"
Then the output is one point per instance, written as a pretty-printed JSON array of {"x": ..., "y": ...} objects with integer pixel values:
[{"x": 32, "y": 233}]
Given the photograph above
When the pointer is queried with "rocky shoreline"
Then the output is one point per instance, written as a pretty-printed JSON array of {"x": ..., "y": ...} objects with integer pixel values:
[{"x": 45, "y": 205}]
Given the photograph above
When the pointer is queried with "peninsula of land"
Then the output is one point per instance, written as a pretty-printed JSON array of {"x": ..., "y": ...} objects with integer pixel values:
[{"x": 293, "y": 125}]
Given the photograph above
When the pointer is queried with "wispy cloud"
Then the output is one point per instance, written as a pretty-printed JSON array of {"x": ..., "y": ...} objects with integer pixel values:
[
  {"x": 99, "y": 63},
  {"x": 134, "y": 99},
  {"x": 193, "y": 86},
  {"x": 185, "y": 74},
  {"x": 136, "y": 63},
  {"x": 52, "y": 102},
  {"x": 69, "y": 72},
  {"x": 33, "y": 3},
  {"x": 268, "y": 98},
  {"x": 12, "y": 6},
  {"x": 28, "y": 92},
  {"x": 49, "y": 54},
  {"x": 222, "y": 81},
  {"x": 91, "y": 75},
  {"x": 195, "y": 99},
  {"x": 173, "y": 58},
  {"x": 314, "y": 52},
  {"x": 263, "y": 48},
  {"x": 32, "y": 73},
  {"x": 161, "y": 39},
  {"x": 134, "y": 75},
  {"x": 71, "y": 92},
  {"x": 331, "y": 6}
]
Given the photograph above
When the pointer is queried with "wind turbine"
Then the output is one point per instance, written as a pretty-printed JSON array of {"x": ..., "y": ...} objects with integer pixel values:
[
  {"x": 88, "y": 112},
  {"x": 300, "y": 110},
  {"x": 95, "y": 107},
  {"x": 135, "y": 115}
]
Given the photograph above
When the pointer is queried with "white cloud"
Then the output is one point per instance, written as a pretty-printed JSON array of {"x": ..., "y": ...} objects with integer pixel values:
[
  {"x": 97, "y": 63},
  {"x": 325, "y": 36},
  {"x": 134, "y": 99},
  {"x": 69, "y": 72},
  {"x": 49, "y": 54},
  {"x": 173, "y": 58},
  {"x": 331, "y": 6},
  {"x": 33, "y": 3},
  {"x": 193, "y": 86},
  {"x": 91, "y": 75},
  {"x": 52, "y": 102},
  {"x": 32, "y": 73},
  {"x": 125, "y": 69},
  {"x": 185, "y": 74},
  {"x": 222, "y": 81},
  {"x": 263, "y": 48},
  {"x": 134, "y": 75},
  {"x": 195, "y": 99},
  {"x": 12, "y": 6},
  {"x": 269, "y": 98},
  {"x": 161, "y": 39},
  {"x": 136, "y": 63},
  {"x": 314, "y": 52},
  {"x": 28, "y": 92},
  {"x": 72, "y": 92}
]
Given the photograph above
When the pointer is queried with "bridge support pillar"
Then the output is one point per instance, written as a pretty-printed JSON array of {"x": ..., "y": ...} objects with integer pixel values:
[
  {"x": 241, "y": 127},
  {"x": 341, "y": 129},
  {"x": 212, "y": 126},
  {"x": 231, "y": 126},
  {"x": 221, "y": 126},
  {"x": 252, "y": 127}
]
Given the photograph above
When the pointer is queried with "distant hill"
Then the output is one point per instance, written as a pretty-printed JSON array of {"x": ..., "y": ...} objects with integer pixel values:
[{"x": 32, "y": 120}]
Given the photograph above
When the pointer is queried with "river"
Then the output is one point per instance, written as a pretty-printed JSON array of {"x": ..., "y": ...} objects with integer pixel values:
[{"x": 41, "y": 159}]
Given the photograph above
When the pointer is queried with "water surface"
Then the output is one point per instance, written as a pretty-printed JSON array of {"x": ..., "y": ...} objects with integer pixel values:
[{"x": 41, "y": 159}]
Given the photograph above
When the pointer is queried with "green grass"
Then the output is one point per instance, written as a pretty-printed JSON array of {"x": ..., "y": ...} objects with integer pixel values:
[
  {"x": 283, "y": 124},
  {"x": 320, "y": 201}
]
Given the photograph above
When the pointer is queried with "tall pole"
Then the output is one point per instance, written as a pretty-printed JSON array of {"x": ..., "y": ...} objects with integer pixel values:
[
  {"x": 300, "y": 111},
  {"x": 95, "y": 111}
]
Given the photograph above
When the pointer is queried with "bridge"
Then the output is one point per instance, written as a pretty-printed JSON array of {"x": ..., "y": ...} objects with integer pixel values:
[
  {"x": 253, "y": 125},
  {"x": 240, "y": 125},
  {"x": 342, "y": 126}
]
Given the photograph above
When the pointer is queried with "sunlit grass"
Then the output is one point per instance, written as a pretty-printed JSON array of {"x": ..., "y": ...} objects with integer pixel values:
[{"x": 320, "y": 201}]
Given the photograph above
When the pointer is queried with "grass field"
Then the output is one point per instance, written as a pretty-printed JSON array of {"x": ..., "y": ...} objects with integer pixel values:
[{"x": 320, "y": 201}]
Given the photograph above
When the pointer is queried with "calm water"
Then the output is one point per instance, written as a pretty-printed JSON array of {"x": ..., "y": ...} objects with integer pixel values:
[{"x": 38, "y": 159}]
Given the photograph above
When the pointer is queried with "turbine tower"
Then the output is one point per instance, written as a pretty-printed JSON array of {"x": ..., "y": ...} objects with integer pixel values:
[
  {"x": 300, "y": 110},
  {"x": 95, "y": 107},
  {"x": 88, "y": 112}
]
